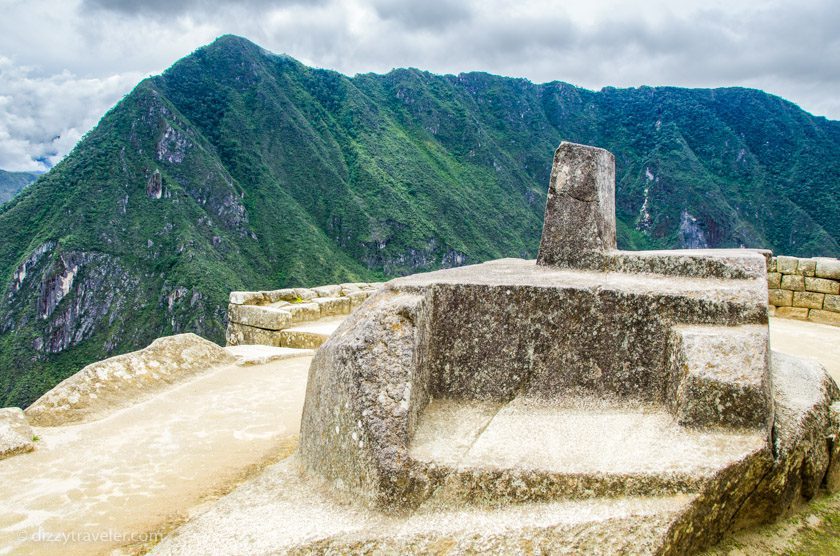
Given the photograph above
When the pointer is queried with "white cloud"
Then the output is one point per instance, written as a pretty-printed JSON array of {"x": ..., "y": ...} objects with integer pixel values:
[
  {"x": 67, "y": 61},
  {"x": 42, "y": 118}
]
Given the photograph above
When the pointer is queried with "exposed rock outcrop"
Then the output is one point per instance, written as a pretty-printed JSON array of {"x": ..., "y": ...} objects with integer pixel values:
[
  {"x": 113, "y": 383},
  {"x": 154, "y": 187},
  {"x": 804, "y": 438},
  {"x": 15, "y": 433},
  {"x": 76, "y": 291}
]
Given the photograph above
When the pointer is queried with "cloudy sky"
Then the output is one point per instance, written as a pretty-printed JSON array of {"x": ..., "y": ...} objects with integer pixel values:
[{"x": 63, "y": 63}]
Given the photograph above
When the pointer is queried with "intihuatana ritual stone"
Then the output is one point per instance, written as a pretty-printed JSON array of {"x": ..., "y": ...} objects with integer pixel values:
[
  {"x": 579, "y": 222},
  {"x": 595, "y": 400}
]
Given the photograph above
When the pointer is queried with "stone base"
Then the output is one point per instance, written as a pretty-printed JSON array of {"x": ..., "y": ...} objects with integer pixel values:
[
  {"x": 283, "y": 513},
  {"x": 736, "y": 481}
]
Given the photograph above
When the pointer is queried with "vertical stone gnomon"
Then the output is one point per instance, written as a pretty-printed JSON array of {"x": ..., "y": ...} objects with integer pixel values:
[{"x": 579, "y": 224}]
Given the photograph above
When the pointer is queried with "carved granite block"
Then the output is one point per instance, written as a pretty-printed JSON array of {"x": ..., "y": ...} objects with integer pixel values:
[
  {"x": 822, "y": 285},
  {"x": 786, "y": 265},
  {"x": 793, "y": 282},
  {"x": 811, "y": 300},
  {"x": 580, "y": 209},
  {"x": 781, "y": 298}
]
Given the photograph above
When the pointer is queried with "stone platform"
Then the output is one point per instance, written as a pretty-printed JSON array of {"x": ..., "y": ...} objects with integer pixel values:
[
  {"x": 506, "y": 383},
  {"x": 286, "y": 510},
  {"x": 298, "y": 318}
]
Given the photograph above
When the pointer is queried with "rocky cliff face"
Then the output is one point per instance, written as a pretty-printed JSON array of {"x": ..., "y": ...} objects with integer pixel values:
[{"x": 239, "y": 169}]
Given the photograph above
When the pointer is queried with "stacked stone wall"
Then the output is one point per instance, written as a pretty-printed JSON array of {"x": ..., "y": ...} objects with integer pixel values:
[
  {"x": 805, "y": 289},
  {"x": 262, "y": 317}
]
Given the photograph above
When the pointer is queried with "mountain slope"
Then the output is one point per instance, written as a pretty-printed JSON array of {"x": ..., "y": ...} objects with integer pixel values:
[
  {"x": 12, "y": 182},
  {"x": 238, "y": 168}
]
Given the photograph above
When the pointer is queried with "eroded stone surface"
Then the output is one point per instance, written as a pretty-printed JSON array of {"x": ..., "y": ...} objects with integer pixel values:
[
  {"x": 141, "y": 470},
  {"x": 527, "y": 451},
  {"x": 492, "y": 332},
  {"x": 16, "y": 435},
  {"x": 803, "y": 396},
  {"x": 721, "y": 376},
  {"x": 106, "y": 385},
  {"x": 247, "y": 355},
  {"x": 265, "y": 317},
  {"x": 580, "y": 208},
  {"x": 355, "y": 432},
  {"x": 315, "y": 520},
  {"x": 314, "y": 523}
]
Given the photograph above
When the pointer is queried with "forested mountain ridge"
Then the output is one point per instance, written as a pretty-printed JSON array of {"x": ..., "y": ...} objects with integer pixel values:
[
  {"x": 241, "y": 169},
  {"x": 12, "y": 182}
]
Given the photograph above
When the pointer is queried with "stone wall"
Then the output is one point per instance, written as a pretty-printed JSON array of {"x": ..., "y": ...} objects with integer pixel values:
[
  {"x": 263, "y": 317},
  {"x": 805, "y": 289}
]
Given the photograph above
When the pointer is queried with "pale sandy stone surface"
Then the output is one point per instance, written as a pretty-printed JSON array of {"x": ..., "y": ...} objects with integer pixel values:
[
  {"x": 798, "y": 313},
  {"x": 302, "y": 312},
  {"x": 332, "y": 306},
  {"x": 807, "y": 339},
  {"x": 16, "y": 435},
  {"x": 723, "y": 376},
  {"x": 806, "y": 267},
  {"x": 314, "y": 521},
  {"x": 148, "y": 467},
  {"x": 828, "y": 268},
  {"x": 793, "y": 282},
  {"x": 248, "y": 298},
  {"x": 256, "y": 354},
  {"x": 265, "y": 317},
  {"x": 328, "y": 291},
  {"x": 780, "y": 298},
  {"x": 825, "y": 317},
  {"x": 105, "y": 386},
  {"x": 810, "y": 300},
  {"x": 306, "y": 520},
  {"x": 311, "y": 335},
  {"x": 787, "y": 265},
  {"x": 822, "y": 285}
]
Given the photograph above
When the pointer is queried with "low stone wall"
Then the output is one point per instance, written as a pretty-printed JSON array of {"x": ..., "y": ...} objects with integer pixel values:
[
  {"x": 262, "y": 317},
  {"x": 120, "y": 381},
  {"x": 805, "y": 289}
]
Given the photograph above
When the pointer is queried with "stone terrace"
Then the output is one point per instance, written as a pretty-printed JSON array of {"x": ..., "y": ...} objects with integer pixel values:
[
  {"x": 805, "y": 289},
  {"x": 292, "y": 317}
]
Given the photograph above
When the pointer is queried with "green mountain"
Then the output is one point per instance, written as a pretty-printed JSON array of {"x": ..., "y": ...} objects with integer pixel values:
[
  {"x": 12, "y": 182},
  {"x": 241, "y": 169}
]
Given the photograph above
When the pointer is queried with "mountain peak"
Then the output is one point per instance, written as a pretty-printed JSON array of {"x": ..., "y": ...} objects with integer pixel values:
[{"x": 232, "y": 42}]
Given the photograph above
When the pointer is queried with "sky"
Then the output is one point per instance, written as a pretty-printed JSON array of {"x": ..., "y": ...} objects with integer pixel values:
[{"x": 64, "y": 63}]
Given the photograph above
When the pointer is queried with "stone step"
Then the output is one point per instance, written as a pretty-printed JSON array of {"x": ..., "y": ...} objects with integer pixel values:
[
  {"x": 309, "y": 335},
  {"x": 315, "y": 522},
  {"x": 255, "y": 354},
  {"x": 525, "y": 451}
]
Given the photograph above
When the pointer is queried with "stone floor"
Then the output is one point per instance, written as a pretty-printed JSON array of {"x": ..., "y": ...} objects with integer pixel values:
[
  {"x": 603, "y": 442},
  {"x": 808, "y": 339},
  {"x": 144, "y": 469},
  {"x": 116, "y": 482}
]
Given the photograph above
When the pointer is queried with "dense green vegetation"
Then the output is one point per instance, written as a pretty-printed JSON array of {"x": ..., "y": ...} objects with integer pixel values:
[
  {"x": 240, "y": 169},
  {"x": 12, "y": 182}
]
